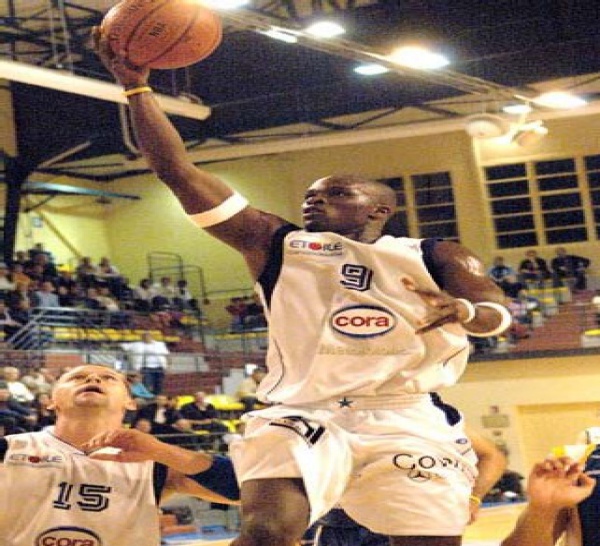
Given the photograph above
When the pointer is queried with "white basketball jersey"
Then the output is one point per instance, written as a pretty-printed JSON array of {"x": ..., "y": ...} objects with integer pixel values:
[
  {"x": 53, "y": 494},
  {"x": 342, "y": 322}
]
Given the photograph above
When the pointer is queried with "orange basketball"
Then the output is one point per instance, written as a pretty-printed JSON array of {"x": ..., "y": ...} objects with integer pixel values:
[{"x": 162, "y": 33}]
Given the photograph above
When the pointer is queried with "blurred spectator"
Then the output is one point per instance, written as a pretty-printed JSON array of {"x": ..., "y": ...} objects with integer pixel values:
[
  {"x": 183, "y": 298},
  {"x": 21, "y": 292},
  {"x": 143, "y": 295},
  {"x": 42, "y": 268},
  {"x": 19, "y": 391},
  {"x": 6, "y": 282},
  {"x": 163, "y": 416},
  {"x": 137, "y": 387},
  {"x": 254, "y": 316},
  {"x": 86, "y": 272},
  {"x": 567, "y": 267},
  {"x": 38, "y": 248},
  {"x": 22, "y": 417},
  {"x": 18, "y": 275},
  {"x": 237, "y": 310},
  {"x": 38, "y": 380},
  {"x": 246, "y": 392},
  {"x": 46, "y": 296},
  {"x": 20, "y": 315},
  {"x": 143, "y": 425},
  {"x": 500, "y": 272},
  {"x": 150, "y": 357},
  {"x": 65, "y": 279},
  {"x": 203, "y": 416},
  {"x": 109, "y": 275},
  {"x": 522, "y": 309},
  {"x": 21, "y": 257},
  {"x": 533, "y": 269},
  {"x": 164, "y": 294},
  {"x": 8, "y": 324}
]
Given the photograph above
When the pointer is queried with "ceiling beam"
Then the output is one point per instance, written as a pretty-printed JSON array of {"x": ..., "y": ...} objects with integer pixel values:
[{"x": 79, "y": 85}]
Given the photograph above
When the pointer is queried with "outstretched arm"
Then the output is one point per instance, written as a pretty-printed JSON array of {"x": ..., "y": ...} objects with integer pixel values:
[
  {"x": 249, "y": 230},
  {"x": 554, "y": 486}
]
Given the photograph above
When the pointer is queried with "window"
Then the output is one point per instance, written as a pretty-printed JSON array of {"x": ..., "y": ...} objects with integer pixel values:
[
  {"x": 425, "y": 206},
  {"x": 592, "y": 169},
  {"x": 541, "y": 202}
]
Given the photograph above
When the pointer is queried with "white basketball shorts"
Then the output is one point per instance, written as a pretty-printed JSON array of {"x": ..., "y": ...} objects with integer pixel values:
[{"x": 401, "y": 472}]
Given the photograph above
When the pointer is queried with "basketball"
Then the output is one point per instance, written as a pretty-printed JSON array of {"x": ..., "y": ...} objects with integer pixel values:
[{"x": 162, "y": 33}]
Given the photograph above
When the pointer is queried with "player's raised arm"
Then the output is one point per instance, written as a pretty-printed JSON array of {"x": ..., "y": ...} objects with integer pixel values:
[{"x": 213, "y": 205}]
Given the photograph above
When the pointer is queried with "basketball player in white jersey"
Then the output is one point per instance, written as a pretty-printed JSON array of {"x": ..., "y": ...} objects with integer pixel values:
[
  {"x": 361, "y": 328},
  {"x": 57, "y": 487},
  {"x": 563, "y": 505}
]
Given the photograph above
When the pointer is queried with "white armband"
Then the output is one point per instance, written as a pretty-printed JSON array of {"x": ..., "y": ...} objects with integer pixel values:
[
  {"x": 227, "y": 209},
  {"x": 471, "y": 311},
  {"x": 505, "y": 322}
]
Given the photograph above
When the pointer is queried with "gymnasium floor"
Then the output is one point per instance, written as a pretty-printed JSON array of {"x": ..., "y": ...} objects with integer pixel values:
[{"x": 492, "y": 526}]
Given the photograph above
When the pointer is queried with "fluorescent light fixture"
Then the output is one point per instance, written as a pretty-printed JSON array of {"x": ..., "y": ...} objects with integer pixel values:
[
  {"x": 325, "y": 29},
  {"x": 371, "y": 69},
  {"x": 517, "y": 109},
  {"x": 560, "y": 100},
  {"x": 418, "y": 57},
  {"x": 225, "y": 4},
  {"x": 281, "y": 35}
]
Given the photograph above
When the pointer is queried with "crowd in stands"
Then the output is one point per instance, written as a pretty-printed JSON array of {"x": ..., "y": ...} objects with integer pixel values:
[
  {"x": 33, "y": 281},
  {"x": 522, "y": 284},
  {"x": 247, "y": 313}
]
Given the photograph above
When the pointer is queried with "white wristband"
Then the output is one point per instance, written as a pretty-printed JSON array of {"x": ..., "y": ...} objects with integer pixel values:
[
  {"x": 227, "y": 209},
  {"x": 504, "y": 323},
  {"x": 471, "y": 311}
]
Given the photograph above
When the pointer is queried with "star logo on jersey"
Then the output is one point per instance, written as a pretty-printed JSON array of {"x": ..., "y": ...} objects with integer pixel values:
[{"x": 345, "y": 402}]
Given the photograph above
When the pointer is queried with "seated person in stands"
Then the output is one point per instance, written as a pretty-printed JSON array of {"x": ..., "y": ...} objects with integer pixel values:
[
  {"x": 137, "y": 387},
  {"x": 21, "y": 314},
  {"x": 46, "y": 296},
  {"x": 41, "y": 268},
  {"x": 18, "y": 275},
  {"x": 86, "y": 272},
  {"x": 6, "y": 281},
  {"x": 44, "y": 412},
  {"x": 142, "y": 296},
  {"x": 8, "y": 324},
  {"x": 183, "y": 298},
  {"x": 500, "y": 272},
  {"x": 237, "y": 310},
  {"x": 18, "y": 389},
  {"x": 39, "y": 380},
  {"x": 108, "y": 275},
  {"x": 163, "y": 416},
  {"x": 533, "y": 269},
  {"x": 246, "y": 392},
  {"x": 254, "y": 316},
  {"x": 569, "y": 266},
  {"x": 22, "y": 417},
  {"x": 164, "y": 294},
  {"x": 203, "y": 416}
]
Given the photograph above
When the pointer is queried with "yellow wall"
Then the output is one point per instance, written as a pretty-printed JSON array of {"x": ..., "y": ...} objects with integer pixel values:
[{"x": 516, "y": 385}]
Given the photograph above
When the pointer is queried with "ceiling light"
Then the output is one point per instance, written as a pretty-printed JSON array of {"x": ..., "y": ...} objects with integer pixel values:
[
  {"x": 487, "y": 126},
  {"x": 371, "y": 69},
  {"x": 225, "y": 4},
  {"x": 517, "y": 109},
  {"x": 325, "y": 29},
  {"x": 531, "y": 134},
  {"x": 418, "y": 57},
  {"x": 560, "y": 100},
  {"x": 281, "y": 35}
]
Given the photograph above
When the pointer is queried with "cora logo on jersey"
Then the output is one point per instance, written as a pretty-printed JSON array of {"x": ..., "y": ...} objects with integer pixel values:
[
  {"x": 68, "y": 536},
  {"x": 363, "y": 321}
]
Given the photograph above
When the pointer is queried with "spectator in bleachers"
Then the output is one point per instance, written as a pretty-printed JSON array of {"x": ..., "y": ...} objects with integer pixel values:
[
  {"x": 46, "y": 296},
  {"x": 18, "y": 275},
  {"x": 501, "y": 272},
  {"x": 38, "y": 248},
  {"x": 202, "y": 415},
  {"x": 20, "y": 315},
  {"x": 533, "y": 269},
  {"x": 164, "y": 294},
  {"x": 65, "y": 279},
  {"x": 21, "y": 257},
  {"x": 22, "y": 292},
  {"x": 183, "y": 298},
  {"x": 137, "y": 387},
  {"x": 22, "y": 416},
  {"x": 39, "y": 380},
  {"x": 254, "y": 316},
  {"x": 8, "y": 324},
  {"x": 164, "y": 418},
  {"x": 143, "y": 295},
  {"x": 522, "y": 309},
  {"x": 109, "y": 275},
  {"x": 569, "y": 267},
  {"x": 6, "y": 282},
  {"x": 86, "y": 272},
  {"x": 150, "y": 357},
  {"x": 18, "y": 390},
  {"x": 69, "y": 297},
  {"x": 246, "y": 392},
  {"x": 237, "y": 310}
]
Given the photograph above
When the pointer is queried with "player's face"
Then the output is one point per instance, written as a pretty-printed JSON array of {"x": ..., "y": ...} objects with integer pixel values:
[
  {"x": 92, "y": 387},
  {"x": 338, "y": 205}
]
